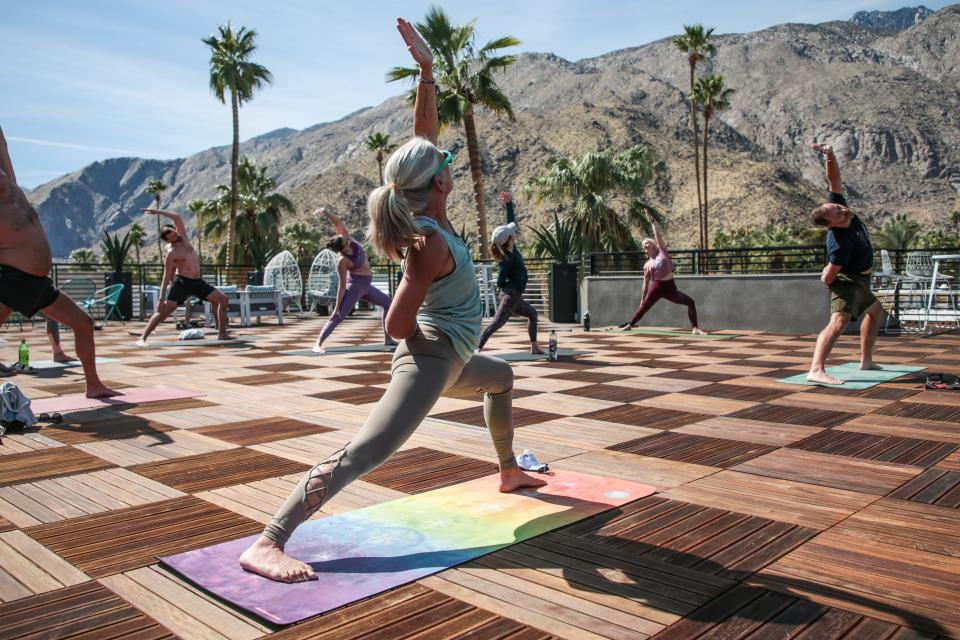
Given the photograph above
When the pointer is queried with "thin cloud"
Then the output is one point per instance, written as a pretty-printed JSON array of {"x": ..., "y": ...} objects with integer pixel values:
[{"x": 80, "y": 147}]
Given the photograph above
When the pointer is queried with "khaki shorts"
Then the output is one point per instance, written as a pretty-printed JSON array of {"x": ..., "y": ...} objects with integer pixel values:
[{"x": 850, "y": 293}]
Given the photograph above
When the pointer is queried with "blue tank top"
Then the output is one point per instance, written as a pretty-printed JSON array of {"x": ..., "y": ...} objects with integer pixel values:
[
  {"x": 452, "y": 304},
  {"x": 359, "y": 256}
]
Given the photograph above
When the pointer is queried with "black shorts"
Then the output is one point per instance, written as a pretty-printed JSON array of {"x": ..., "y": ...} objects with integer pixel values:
[
  {"x": 24, "y": 292},
  {"x": 183, "y": 288}
]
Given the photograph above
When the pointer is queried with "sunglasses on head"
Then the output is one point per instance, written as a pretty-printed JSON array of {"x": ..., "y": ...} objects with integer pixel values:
[{"x": 447, "y": 159}]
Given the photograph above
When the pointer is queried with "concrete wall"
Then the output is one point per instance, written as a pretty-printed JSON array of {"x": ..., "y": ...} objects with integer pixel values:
[{"x": 792, "y": 303}]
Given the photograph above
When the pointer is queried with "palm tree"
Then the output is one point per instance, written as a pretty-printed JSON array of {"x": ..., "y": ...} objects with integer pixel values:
[
  {"x": 83, "y": 257},
  {"x": 232, "y": 72},
  {"x": 605, "y": 189},
  {"x": 695, "y": 42},
  {"x": 464, "y": 75},
  {"x": 213, "y": 220},
  {"x": 713, "y": 96},
  {"x": 301, "y": 240},
  {"x": 379, "y": 143},
  {"x": 260, "y": 208},
  {"x": 137, "y": 235},
  {"x": 155, "y": 188},
  {"x": 561, "y": 243},
  {"x": 899, "y": 232},
  {"x": 195, "y": 207}
]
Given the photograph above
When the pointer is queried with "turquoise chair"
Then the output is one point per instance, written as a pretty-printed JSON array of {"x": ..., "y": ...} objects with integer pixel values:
[{"x": 106, "y": 299}]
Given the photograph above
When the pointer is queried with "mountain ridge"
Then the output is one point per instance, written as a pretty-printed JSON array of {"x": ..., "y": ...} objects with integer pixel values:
[{"x": 887, "y": 98}]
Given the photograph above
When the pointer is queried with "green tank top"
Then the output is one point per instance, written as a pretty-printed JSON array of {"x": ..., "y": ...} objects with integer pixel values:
[{"x": 452, "y": 304}]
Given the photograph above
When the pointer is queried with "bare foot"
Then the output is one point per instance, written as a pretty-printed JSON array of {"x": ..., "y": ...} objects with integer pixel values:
[
  {"x": 266, "y": 558},
  {"x": 537, "y": 351},
  {"x": 626, "y": 326},
  {"x": 62, "y": 357},
  {"x": 141, "y": 342},
  {"x": 101, "y": 391},
  {"x": 697, "y": 331},
  {"x": 224, "y": 336},
  {"x": 823, "y": 378},
  {"x": 318, "y": 349},
  {"x": 870, "y": 365},
  {"x": 514, "y": 478}
]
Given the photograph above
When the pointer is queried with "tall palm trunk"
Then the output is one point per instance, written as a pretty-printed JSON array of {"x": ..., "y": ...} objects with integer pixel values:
[
  {"x": 473, "y": 150},
  {"x": 706, "y": 219},
  {"x": 234, "y": 162},
  {"x": 156, "y": 204},
  {"x": 136, "y": 249},
  {"x": 696, "y": 156},
  {"x": 380, "y": 166}
]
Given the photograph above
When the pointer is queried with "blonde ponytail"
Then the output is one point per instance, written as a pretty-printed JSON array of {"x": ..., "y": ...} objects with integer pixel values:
[{"x": 408, "y": 175}]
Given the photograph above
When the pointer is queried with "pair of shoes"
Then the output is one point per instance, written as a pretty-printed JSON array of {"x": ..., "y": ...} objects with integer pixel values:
[
  {"x": 54, "y": 417},
  {"x": 937, "y": 381}
]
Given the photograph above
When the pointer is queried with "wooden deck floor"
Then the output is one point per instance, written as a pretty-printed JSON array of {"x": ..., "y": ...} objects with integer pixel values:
[{"x": 781, "y": 511}]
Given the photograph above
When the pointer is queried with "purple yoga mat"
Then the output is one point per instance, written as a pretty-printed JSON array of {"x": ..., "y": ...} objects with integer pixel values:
[{"x": 361, "y": 553}]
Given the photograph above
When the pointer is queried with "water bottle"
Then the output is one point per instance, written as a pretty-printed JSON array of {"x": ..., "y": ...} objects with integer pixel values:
[
  {"x": 24, "y": 353},
  {"x": 586, "y": 321},
  {"x": 552, "y": 348}
]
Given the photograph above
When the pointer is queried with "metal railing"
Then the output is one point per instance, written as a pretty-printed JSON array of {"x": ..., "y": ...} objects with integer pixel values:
[
  {"x": 385, "y": 275},
  {"x": 747, "y": 260}
]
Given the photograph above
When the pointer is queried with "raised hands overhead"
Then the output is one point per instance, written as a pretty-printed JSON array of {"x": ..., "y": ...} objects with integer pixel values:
[
  {"x": 425, "y": 117},
  {"x": 416, "y": 45},
  {"x": 505, "y": 197},
  {"x": 822, "y": 148},
  {"x": 833, "y": 168}
]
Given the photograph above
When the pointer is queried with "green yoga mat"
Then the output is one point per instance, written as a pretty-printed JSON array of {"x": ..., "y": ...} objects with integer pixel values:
[
  {"x": 682, "y": 334},
  {"x": 854, "y": 378}
]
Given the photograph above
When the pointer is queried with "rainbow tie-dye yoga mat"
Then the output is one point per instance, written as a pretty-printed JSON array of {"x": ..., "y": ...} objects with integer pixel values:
[{"x": 365, "y": 552}]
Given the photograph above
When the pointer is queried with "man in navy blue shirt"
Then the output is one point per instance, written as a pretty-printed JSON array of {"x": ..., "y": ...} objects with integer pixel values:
[{"x": 847, "y": 275}]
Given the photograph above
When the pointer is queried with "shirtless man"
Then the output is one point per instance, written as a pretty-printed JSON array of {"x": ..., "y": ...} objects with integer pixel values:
[
  {"x": 182, "y": 266},
  {"x": 847, "y": 275},
  {"x": 25, "y": 261}
]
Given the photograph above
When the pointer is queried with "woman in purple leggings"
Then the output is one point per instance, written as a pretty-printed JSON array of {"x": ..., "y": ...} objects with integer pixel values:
[
  {"x": 356, "y": 281},
  {"x": 658, "y": 281}
]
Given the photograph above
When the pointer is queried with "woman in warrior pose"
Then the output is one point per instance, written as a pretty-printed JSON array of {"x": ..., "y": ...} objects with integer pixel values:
[
  {"x": 658, "y": 281},
  {"x": 436, "y": 311},
  {"x": 356, "y": 281},
  {"x": 512, "y": 279}
]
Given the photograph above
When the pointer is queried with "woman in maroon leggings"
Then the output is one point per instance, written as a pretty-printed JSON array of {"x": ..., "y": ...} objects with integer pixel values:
[{"x": 658, "y": 281}]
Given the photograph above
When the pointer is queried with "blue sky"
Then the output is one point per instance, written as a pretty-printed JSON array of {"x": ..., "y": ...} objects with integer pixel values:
[{"x": 95, "y": 79}]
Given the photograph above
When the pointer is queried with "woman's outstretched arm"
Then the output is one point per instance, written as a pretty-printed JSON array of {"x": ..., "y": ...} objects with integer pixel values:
[
  {"x": 425, "y": 117},
  {"x": 656, "y": 230},
  {"x": 335, "y": 219}
]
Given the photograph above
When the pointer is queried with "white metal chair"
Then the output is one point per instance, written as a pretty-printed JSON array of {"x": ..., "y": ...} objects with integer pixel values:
[
  {"x": 323, "y": 280},
  {"x": 283, "y": 274}
]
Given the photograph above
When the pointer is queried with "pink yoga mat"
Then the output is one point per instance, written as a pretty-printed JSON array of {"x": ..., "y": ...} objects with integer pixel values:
[
  {"x": 361, "y": 553},
  {"x": 129, "y": 396}
]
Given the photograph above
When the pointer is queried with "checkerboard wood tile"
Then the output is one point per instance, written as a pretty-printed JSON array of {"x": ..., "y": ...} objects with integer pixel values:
[{"x": 782, "y": 510}]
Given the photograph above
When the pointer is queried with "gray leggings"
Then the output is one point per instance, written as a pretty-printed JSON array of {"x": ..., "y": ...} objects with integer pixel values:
[
  {"x": 424, "y": 367},
  {"x": 511, "y": 302}
]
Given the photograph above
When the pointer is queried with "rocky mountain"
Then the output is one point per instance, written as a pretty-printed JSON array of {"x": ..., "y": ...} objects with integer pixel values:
[
  {"x": 892, "y": 20},
  {"x": 884, "y": 88}
]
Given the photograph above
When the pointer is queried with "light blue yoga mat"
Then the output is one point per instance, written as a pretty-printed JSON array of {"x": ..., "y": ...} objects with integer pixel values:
[{"x": 854, "y": 378}]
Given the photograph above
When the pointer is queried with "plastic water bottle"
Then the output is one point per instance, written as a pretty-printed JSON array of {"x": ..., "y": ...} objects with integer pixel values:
[
  {"x": 586, "y": 321},
  {"x": 24, "y": 354},
  {"x": 552, "y": 348}
]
